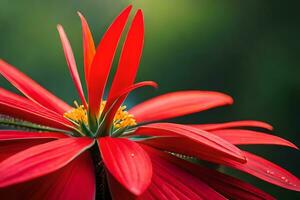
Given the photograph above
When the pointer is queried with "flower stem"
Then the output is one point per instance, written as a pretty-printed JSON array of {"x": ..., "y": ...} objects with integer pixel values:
[{"x": 102, "y": 190}]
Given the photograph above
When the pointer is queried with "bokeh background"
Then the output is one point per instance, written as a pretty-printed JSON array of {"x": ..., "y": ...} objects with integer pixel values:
[{"x": 248, "y": 49}]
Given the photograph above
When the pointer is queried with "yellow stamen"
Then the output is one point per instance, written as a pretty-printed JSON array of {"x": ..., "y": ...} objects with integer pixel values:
[{"x": 122, "y": 118}]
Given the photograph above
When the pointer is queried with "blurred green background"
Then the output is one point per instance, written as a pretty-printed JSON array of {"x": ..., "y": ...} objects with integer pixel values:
[{"x": 248, "y": 49}]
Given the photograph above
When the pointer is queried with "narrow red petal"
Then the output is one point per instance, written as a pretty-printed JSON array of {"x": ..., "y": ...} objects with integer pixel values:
[
  {"x": 71, "y": 63},
  {"x": 240, "y": 137},
  {"x": 127, "y": 162},
  {"x": 130, "y": 56},
  {"x": 265, "y": 170},
  {"x": 171, "y": 182},
  {"x": 75, "y": 181},
  {"x": 19, "y": 135},
  {"x": 11, "y": 147},
  {"x": 102, "y": 61},
  {"x": 32, "y": 89},
  {"x": 88, "y": 46},
  {"x": 235, "y": 124},
  {"x": 47, "y": 157},
  {"x": 22, "y": 108},
  {"x": 117, "y": 191},
  {"x": 203, "y": 141},
  {"x": 177, "y": 104},
  {"x": 228, "y": 186},
  {"x": 168, "y": 182},
  {"x": 116, "y": 101}
]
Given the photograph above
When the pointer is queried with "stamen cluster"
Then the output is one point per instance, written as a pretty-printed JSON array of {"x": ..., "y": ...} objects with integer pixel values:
[{"x": 79, "y": 116}]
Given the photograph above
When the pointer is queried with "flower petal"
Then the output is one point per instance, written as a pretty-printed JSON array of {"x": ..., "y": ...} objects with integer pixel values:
[
  {"x": 18, "y": 135},
  {"x": 168, "y": 182},
  {"x": 130, "y": 56},
  {"x": 74, "y": 181},
  {"x": 116, "y": 101},
  {"x": 31, "y": 89},
  {"x": 177, "y": 104},
  {"x": 265, "y": 170},
  {"x": 235, "y": 124},
  {"x": 47, "y": 157},
  {"x": 239, "y": 137},
  {"x": 201, "y": 140},
  {"x": 171, "y": 182},
  {"x": 127, "y": 162},
  {"x": 228, "y": 186},
  {"x": 22, "y": 108},
  {"x": 71, "y": 63},
  {"x": 88, "y": 46},
  {"x": 102, "y": 61},
  {"x": 11, "y": 147}
]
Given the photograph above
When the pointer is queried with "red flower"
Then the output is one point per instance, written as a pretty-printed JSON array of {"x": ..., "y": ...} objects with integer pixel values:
[{"x": 145, "y": 159}]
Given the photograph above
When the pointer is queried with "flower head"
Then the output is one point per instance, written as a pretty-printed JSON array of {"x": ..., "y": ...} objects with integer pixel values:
[{"x": 55, "y": 151}]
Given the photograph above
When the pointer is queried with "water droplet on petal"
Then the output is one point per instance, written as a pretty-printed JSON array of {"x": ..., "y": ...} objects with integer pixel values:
[{"x": 132, "y": 155}]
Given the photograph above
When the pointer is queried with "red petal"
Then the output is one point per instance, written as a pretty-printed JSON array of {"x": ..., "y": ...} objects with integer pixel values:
[
  {"x": 117, "y": 191},
  {"x": 265, "y": 170},
  {"x": 201, "y": 140},
  {"x": 46, "y": 158},
  {"x": 229, "y": 186},
  {"x": 102, "y": 61},
  {"x": 75, "y": 181},
  {"x": 176, "y": 104},
  {"x": 238, "y": 137},
  {"x": 235, "y": 124},
  {"x": 127, "y": 162},
  {"x": 22, "y": 108},
  {"x": 130, "y": 56},
  {"x": 17, "y": 135},
  {"x": 88, "y": 46},
  {"x": 115, "y": 102},
  {"x": 32, "y": 89},
  {"x": 168, "y": 182},
  {"x": 9, "y": 148},
  {"x": 71, "y": 63},
  {"x": 171, "y": 182},
  {"x": 255, "y": 165}
]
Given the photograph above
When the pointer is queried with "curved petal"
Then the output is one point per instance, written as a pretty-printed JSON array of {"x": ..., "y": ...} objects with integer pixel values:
[
  {"x": 265, "y": 170},
  {"x": 102, "y": 61},
  {"x": 31, "y": 89},
  {"x": 228, "y": 186},
  {"x": 168, "y": 182},
  {"x": 88, "y": 46},
  {"x": 127, "y": 162},
  {"x": 115, "y": 102},
  {"x": 74, "y": 181},
  {"x": 47, "y": 157},
  {"x": 19, "y": 135},
  {"x": 240, "y": 137},
  {"x": 171, "y": 182},
  {"x": 235, "y": 124},
  {"x": 202, "y": 141},
  {"x": 130, "y": 56},
  {"x": 22, "y": 108},
  {"x": 177, "y": 104},
  {"x": 11, "y": 147},
  {"x": 71, "y": 63}
]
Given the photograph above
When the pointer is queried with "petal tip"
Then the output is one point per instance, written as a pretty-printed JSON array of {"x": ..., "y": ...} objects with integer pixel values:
[{"x": 59, "y": 27}]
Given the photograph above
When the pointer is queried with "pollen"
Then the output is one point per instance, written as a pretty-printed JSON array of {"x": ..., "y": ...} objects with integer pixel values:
[
  {"x": 122, "y": 118},
  {"x": 77, "y": 115}
]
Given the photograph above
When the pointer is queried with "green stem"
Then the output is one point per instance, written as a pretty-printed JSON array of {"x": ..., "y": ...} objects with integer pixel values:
[{"x": 28, "y": 125}]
